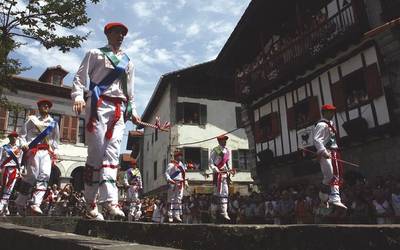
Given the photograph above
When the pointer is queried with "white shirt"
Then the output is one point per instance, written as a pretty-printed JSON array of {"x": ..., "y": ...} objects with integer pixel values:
[
  {"x": 30, "y": 131},
  {"x": 172, "y": 169},
  {"x": 215, "y": 159},
  {"x": 132, "y": 177},
  {"x": 322, "y": 135},
  {"x": 97, "y": 66}
]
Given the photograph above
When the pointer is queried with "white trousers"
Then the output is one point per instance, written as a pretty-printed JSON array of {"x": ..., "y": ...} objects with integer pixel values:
[
  {"x": 174, "y": 196},
  {"x": 332, "y": 174},
  {"x": 221, "y": 192},
  {"x": 103, "y": 155},
  {"x": 9, "y": 179},
  {"x": 38, "y": 175}
]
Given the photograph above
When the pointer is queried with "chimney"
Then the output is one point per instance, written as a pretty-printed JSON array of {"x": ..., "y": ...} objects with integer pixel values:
[{"x": 54, "y": 75}]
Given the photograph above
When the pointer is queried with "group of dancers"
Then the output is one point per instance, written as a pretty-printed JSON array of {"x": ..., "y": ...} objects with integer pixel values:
[{"x": 109, "y": 105}]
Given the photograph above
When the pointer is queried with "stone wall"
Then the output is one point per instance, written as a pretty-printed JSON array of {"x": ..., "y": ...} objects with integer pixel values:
[{"x": 218, "y": 237}]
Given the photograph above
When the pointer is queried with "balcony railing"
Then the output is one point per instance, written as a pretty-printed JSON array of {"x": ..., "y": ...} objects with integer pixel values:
[{"x": 296, "y": 55}]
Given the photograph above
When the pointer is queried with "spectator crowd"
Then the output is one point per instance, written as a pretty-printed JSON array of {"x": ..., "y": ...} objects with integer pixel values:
[{"x": 376, "y": 201}]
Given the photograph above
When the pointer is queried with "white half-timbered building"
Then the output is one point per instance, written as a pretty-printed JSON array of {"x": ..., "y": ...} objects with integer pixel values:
[{"x": 288, "y": 58}]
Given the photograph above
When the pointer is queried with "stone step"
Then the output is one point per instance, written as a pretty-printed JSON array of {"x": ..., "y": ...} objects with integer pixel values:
[
  {"x": 21, "y": 237},
  {"x": 209, "y": 236}
]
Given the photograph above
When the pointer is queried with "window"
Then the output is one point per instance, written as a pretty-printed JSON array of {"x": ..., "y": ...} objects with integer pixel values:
[
  {"x": 198, "y": 157},
  {"x": 155, "y": 170},
  {"x": 303, "y": 113},
  {"x": 81, "y": 132},
  {"x": 3, "y": 119},
  {"x": 240, "y": 159},
  {"x": 357, "y": 88},
  {"x": 267, "y": 127},
  {"x": 16, "y": 120},
  {"x": 69, "y": 127},
  {"x": 238, "y": 111},
  {"x": 57, "y": 79},
  {"x": 191, "y": 113}
]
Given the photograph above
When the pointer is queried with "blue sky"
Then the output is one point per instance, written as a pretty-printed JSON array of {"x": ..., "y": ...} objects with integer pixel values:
[{"x": 164, "y": 35}]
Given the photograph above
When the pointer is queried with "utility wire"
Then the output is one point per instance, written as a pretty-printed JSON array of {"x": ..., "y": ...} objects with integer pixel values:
[{"x": 209, "y": 139}]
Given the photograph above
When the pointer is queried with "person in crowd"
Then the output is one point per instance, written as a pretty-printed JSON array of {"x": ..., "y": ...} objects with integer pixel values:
[{"x": 395, "y": 199}]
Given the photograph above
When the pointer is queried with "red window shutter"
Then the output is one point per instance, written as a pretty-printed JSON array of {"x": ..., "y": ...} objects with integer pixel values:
[
  {"x": 257, "y": 132},
  {"x": 73, "y": 129},
  {"x": 291, "y": 118},
  {"x": 275, "y": 125},
  {"x": 314, "y": 108},
  {"x": 373, "y": 81},
  {"x": 3, "y": 119},
  {"x": 338, "y": 95},
  {"x": 65, "y": 128}
]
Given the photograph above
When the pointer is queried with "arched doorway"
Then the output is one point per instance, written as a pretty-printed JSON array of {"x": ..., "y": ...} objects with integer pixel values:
[
  {"x": 77, "y": 179},
  {"x": 55, "y": 176}
]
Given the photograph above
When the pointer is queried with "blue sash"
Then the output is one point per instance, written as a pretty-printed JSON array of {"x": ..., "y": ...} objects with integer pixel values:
[
  {"x": 11, "y": 154},
  {"x": 176, "y": 173},
  {"x": 98, "y": 89},
  {"x": 42, "y": 135}
]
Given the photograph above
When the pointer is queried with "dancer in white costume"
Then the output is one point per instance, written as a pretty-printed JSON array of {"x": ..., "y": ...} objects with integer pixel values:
[
  {"x": 39, "y": 138},
  {"x": 10, "y": 161},
  {"x": 175, "y": 176},
  {"x": 133, "y": 183},
  {"x": 328, "y": 154},
  {"x": 219, "y": 164},
  {"x": 110, "y": 103}
]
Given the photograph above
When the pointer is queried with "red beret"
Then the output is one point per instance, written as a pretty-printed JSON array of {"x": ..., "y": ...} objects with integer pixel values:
[
  {"x": 222, "y": 138},
  {"x": 178, "y": 153},
  {"x": 328, "y": 107},
  {"x": 44, "y": 101},
  {"x": 13, "y": 134},
  {"x": 112, "y": 25}
]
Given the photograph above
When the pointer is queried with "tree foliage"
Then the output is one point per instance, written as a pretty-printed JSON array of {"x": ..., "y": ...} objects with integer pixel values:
[{"x": 45, "y": 21}]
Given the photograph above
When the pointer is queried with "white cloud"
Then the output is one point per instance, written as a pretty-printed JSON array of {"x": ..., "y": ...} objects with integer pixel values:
[
  {"x": 181, "y": 4},
  {"x": 142, "y": 9},
  {"x": 192, "y": 30},
  {"x": 147, "y": 8},
  {"x": 52, "y": 57},
  {"x": 213, "y": 47},
  {"x": 221, "y": 27},
  {"x": 166, "y": 22},
  {"x": 222, "y": 6},
  {"x": 137, "y": 46},
  {"x": 163, "y": 56}
]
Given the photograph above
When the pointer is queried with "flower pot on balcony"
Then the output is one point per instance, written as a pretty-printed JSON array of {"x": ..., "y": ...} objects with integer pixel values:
[{"x": 356, "y": 128}]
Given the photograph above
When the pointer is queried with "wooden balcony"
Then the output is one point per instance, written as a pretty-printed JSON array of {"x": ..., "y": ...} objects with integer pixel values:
[{"x": 303, "y": 52}]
